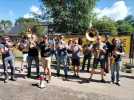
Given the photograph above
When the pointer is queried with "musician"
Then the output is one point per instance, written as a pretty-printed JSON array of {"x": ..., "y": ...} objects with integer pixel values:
[
  {"x": 99, "y": 51},
  {"x": 108, "y": 53},
  {"x": 33, "y": 55},
  {"x": 118, "y": 52},
  {"x": 87, "y": 51},
  {"x": 70, "y": 43},
  {"x": 61, "y": 55},
  {"x": 76, "y": 49},
  {"x": 7, "y": 58},
  {"x": 46, "y": 51},
  {"x": 23, "y": 46}
]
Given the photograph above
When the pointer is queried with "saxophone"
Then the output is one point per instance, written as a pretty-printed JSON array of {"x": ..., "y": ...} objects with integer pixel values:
[{"x": 113, "y": 57}]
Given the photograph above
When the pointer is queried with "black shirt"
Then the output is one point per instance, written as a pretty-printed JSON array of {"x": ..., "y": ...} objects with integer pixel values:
[
  {"x": 33, "y": 51},
  {"x": 7, "y": 52},
  {"x": 120, "y": 49},
  {"x": 109, "y": 48},
  {"x": 63, "y": 50},
  {"x": 46, "y": 51}
]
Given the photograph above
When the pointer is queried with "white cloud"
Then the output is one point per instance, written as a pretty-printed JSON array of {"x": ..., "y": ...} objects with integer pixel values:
[
  {"x": 28, "y": 15},
  {"x": 118, "y": 11},
  {"x": 32, "y": 9},
  {"x": 35, "y": 9}
]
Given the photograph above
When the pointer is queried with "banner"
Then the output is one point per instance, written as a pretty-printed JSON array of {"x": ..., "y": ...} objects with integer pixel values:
[{"x": 126, "y": 42}]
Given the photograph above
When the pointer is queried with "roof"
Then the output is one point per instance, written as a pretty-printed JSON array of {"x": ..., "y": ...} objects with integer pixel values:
[{"x": 16, "y": 29}]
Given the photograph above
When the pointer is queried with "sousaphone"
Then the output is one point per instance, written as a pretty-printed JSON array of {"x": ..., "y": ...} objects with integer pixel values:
[{"x": 91, "y": 34}]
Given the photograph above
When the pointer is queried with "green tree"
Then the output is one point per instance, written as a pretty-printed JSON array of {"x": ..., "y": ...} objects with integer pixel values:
[
  {"x": 124, "y": 27},
  {"x": 70, "y": 15},
  {"x": 5, "y": 25},
  {"x": 104, "y": 25},
  {"x": 32, "y": 23},
  {"x": 130, "y": 19}
]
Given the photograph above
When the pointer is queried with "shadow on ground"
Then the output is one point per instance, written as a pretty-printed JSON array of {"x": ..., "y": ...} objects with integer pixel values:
[{"x": 126, "y": 76}]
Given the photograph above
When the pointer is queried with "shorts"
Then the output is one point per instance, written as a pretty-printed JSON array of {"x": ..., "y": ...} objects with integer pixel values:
[
  {"x": 25, "y": 57},
  {"x": 97, "y": 61},
  {"x": 46, "y": 62},
  {"x": 76, "y": 62}
]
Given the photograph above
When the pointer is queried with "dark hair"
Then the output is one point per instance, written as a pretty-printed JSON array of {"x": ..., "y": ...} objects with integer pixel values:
[
  {"x": 25, "y": 37},
  {"x": 80, "y": 42}
]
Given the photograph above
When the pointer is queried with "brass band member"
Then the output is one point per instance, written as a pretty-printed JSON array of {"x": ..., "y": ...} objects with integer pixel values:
[
  {"x": 23, "y": 46},
  {"x": 87, "y": 51},
  {"x": 118, "y": 52},
  {"x": 33, "y": 54},
  {"x": 7, "y": 58},
  {"x": 99, "y": 51},
  {"x": 108, "y": 53},
  {"x": 61, "y": 56},
  {"x": 76, "y": 50},
  {"x": 46, "y": 52}
]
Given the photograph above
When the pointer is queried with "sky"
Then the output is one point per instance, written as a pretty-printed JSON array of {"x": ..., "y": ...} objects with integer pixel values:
[{"x": 13, "y": 9}]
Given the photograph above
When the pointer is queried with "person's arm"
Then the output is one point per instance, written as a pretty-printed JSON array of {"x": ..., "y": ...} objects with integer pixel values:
[
  {"x": 90, "y": 47},
  {"x": 103, "y": 48},
  {"x": 2, "y": 50},
  {"x": 121, "y": 52},
  {"x": 80, "y": 48}
]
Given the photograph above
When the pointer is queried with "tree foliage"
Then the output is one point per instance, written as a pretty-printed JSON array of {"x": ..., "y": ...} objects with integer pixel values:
[
  {"x": 70, "y": 15},
  {"x": 30, "y": 23},
  {"x": 5, "y": 25},
  {"x": 124, "y": 27},
  {"x": 105, "y": 25},
  {"x": 130, "y": 19}
]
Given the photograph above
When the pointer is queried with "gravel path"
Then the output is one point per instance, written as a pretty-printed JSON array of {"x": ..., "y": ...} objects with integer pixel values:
[{"x": 72, "y": 89}]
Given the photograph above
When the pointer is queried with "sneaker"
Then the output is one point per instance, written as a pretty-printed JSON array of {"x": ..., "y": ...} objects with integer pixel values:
[
  {"x": 47, "y": 78},
  {"x": 58, "y": 75},
  {"x": 117, "y": 83},
  {"x": 89, "y": 80},
  {"x": 13, "y": 79},
  {"x": 82, "y": 70},
  {"x": 74, "y": 75},
  {"x": 66, "y": 76},
  {"x": 47, "y": 81},
  {"x": 112, "y": 82},
  {"x": 103, "y": 81},
  {"x": 28, "y": 76},
  {"x": 87, "y": 70},
  {"x": 77, "y": 76},
  {"x": 5, "y": 81}
]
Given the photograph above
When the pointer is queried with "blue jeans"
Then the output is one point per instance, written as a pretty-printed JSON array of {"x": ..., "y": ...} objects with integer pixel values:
[
  {"x": 30, "y": 60},
  {"x": 8, "y": 60},
  {"x": 62, "y": 60},
  {"x": 115, "y": 68}
]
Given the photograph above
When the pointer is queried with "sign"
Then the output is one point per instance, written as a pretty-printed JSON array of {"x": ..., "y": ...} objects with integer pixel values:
[{"x": 126, "y": 42}]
